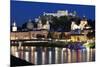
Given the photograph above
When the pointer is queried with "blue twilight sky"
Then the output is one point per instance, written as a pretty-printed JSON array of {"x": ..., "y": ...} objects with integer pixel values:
[{"x": 22, "y": 11}]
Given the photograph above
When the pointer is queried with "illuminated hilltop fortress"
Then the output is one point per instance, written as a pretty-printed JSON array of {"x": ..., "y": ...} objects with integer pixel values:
[{"x": 58, "y": 14}]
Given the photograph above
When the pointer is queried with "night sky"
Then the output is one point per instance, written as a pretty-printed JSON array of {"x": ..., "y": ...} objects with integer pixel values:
[{"x": 23, "y": 11}]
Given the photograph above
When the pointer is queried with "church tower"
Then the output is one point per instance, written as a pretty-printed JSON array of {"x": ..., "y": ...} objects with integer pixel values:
[
  {"x": 14, "y": 27},
  {"x": 48, "y": 25},
  {"x": 39, "y": 24}
]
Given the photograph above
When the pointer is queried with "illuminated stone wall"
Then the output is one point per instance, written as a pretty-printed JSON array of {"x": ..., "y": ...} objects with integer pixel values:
[{"x": 27, "y": 35}]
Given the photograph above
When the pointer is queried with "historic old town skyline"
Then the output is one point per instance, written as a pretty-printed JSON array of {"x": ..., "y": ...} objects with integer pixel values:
[{"x": 23, "y": 11}]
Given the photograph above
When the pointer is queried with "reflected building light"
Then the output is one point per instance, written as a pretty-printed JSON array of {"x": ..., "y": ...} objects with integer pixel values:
[
  {"x": 35, "y": 56},
  {"x": 12, "y": 50},
  {"x": 27, "y": 56},
  {"x": 32, "y": 54},
  {"x": 50, "y": 57},
  {"x": 56, "y": 55},
  {"x": 17, "y": 54},
  {"x": 69, "y": 55},
  {"x": 22, "y": 52},
  {"x": 43, "y": 57},
  {"x": 88, "y": 54}
]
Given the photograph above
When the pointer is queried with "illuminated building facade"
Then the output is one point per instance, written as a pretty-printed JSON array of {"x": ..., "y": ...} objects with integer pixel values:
[
  {"x": 78, "y": 38},
  {"x": 28, "y": 35}
]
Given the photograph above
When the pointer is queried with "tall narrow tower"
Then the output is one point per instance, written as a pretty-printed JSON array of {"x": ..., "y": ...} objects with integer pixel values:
[
  {"x": 40, "y": 24},
  {"x": 48, "y": 25},
  {"x": 14, "y": 27}
]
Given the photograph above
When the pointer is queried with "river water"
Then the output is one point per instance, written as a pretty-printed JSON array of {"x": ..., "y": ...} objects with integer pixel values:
[{"x": 52, "y": 55}]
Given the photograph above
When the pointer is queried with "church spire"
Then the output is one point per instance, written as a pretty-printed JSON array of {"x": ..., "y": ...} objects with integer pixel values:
[{"x": 14, "y": 26}]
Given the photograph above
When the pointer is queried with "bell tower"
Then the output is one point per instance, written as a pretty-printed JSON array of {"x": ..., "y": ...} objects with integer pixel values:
[
  {"x": 14, "y": 27},
  {"x": 39, "y": 24},
  {"x": 48, "y": 25}
]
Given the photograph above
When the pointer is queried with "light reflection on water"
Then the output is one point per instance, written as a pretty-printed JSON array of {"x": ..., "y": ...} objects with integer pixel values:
[{"x": 52, "y": 55}]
